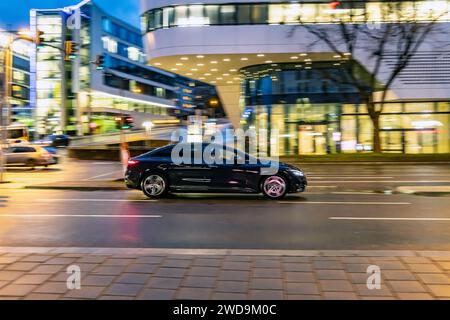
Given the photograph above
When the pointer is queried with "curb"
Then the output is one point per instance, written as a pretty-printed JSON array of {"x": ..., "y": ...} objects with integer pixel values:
[{"x": 425, "y": 191}]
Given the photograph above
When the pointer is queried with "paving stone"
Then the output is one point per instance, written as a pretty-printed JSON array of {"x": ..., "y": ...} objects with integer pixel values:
[
  {"x": 398, "y": 275},
  {"x": 267, "y": 273},
  {"x": 407, "y": 286},
  {"x": 36, "y": 258},
  {"x": 3, "y": 283},
  {"x": 96, "y": 280},
  {"x": 266, "y": 284},
  {"x": 228, "y": 296},
  {"x": 389, "y": 265},
  {"x": 199, "y": 282},
  {"x": 121, "y": 289},
  {"x": 204, "y": 271},
  {"x": 92, "y": 259},
  {"x": 237, "y": 259},
  {"x": 108, "y": 270},
  {"x": 305, "y": 277},
  {"x": 10, "y": 275},
  {"x": 180, "y": 257},
  {"x": 362, "y": 290},
  {"x": 42, "y": 296},
  {"x": 118, "y": 262},
  {"x": 328, "y": 265},
  {"x": 355, "y": 260},
  {"x": 59, "y": 277},
  {"x": 32, "y": 279},
  {"x": 87, "y": 267},
  {"x": 85, "y": 293},
  {"x": 297, "y": 267},
  {"x": 133, "y": 278},
  {"x": 170, "y": 272},
  {"x": 8, "y": 260},
  {"x": 52, "y": 288},
  {"x": 434, "y": 278},
  {"x": 194, "y": 294},
  {"x": 149, "y": 260},
  {"x": 440, "y": 291},
  {"x": 16, "y": 290},
  {"x": 207, "y": 262},
  {"x": 142, "y": 268},
  {"x": 296, "y": 259},
  {"x": 61, "y": 261},
  {"x": 171, "y": 263},
  {"x": 358, "y": 278},
  {"x": 356, "y": 267},
  {"x": 227, "y": 275},
  {"x": 47, "y": 269},
  {"x": 444, "y": 265},
  {"x": 378, "y": 298},
  {"x": 157, "y": 294},
  {"x": 424, "y": 268},
  {"x": 164, "y": 283},
  {"x": 232, "y": 286},
  {"x": 109, "y": 298},
  {"x": 266, "y": 295},
  {"x": 299, "y": 297},
  {"x": 414, "y": 296},
  {"x": 236, "y": 266},
  {"x": 22, "y": 266},
  {"x": 416, "y": 260},
  {"x": 331, "y": 275},
  {"x": 302, "y": 288},
  {"x": 339, "y": 296},
  {"x": 275, "y": 264},
  {"x": 336, "y": 285}
]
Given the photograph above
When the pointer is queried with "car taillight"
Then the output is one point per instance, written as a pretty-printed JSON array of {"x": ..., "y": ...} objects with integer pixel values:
[
  {"x": 133, "y": 162},
  {"x": 47, "y": 155}
]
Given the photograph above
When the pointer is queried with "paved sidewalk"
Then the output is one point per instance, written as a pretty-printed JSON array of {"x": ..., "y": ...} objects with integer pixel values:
[{"x": 158, "y": 274}]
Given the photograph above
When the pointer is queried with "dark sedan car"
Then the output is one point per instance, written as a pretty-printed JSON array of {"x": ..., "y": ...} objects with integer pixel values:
[{"x": 158, "y": 172}]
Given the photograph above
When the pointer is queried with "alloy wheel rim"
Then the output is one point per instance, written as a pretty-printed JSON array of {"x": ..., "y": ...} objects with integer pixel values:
[
  {"x": 275, "y": 187},
  {"x": 154, "y": 185}
]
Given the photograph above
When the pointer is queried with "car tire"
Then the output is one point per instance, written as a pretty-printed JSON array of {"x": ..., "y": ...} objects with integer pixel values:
[
  {"x": 31, "y": 164},
  {"x": 155, "y": 186},
  {"x": 274, "y": 187}
]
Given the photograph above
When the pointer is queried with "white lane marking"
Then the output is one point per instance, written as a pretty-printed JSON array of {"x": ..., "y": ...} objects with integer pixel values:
[
  {"x": 390, "y": 219},
  {"x": 386, "y": 181},
  {"x": 329, "y": 187},
  {"x": 94, "y": 200},
  {"x": 359, "y": 193},
  {"x": 347, "y": 203},
  {"x": 78, "y": 216},
  {"x": 101, "y": 175},
  {"x": 349, "y": 177}
]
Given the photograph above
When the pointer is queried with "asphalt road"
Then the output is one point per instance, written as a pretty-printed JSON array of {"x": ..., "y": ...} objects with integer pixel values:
[{"x": 346, "y": 207}]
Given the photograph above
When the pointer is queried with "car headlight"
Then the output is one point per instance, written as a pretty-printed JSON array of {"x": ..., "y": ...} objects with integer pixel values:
[{"x": 297, "y": 173}]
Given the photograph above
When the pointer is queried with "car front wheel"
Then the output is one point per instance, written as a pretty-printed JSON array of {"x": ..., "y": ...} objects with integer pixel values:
[
  {"x": 155, "y": 186},
  {"x": 275, "y": 187}
]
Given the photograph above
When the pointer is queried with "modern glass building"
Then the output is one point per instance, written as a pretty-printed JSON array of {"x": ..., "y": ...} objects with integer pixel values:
[
  {"x": 270, "y": 77},
  {"x": 73, "y": 94},
  {"x": 19, "y": 85}
]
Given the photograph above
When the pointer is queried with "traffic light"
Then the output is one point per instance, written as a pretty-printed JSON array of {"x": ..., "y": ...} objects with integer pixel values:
[
  {"x": 39, "y": 39},
  {"x": 71, "y": 50},
  {"x": 124, "y": 122},
  {"x": 100, "y": 62}
]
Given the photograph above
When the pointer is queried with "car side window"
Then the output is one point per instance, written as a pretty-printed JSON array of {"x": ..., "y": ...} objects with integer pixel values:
[
  {"x": 165, "y": 153},
  {"x": 23, "y": 150}
]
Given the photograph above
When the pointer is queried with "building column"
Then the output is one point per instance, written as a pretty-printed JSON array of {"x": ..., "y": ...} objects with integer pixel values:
[{"x": 230, "y": 95}]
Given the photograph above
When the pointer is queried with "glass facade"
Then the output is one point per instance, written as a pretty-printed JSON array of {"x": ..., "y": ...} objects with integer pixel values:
[
  {"x": 306, "y": 113},
  {"x": 295, "y": 13}
]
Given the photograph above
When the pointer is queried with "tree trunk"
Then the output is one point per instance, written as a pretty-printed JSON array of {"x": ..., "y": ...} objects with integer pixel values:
[{"x": 376, "y": 134}]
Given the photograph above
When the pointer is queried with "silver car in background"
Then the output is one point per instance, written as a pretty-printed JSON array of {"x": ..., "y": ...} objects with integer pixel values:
[{"x": 29, "y": 156}]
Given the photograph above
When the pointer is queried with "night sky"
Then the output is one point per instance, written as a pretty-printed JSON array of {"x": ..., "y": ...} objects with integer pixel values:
[{"x": 16, "y": 13}]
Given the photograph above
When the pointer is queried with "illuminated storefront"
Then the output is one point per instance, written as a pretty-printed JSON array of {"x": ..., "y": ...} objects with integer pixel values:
[{"x": 310, "y": 114}]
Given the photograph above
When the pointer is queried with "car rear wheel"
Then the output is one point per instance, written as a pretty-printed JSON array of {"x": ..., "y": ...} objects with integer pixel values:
[
  {"x": 31, "y": 164},
  {"x": 275, "y": 187},
  {"x": 155, "y": 186}
]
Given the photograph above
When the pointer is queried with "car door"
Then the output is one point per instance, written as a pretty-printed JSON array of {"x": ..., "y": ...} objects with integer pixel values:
[
  {"x": 231, "y": 172},
  {"x": 10, "y": 155},
  {"x": 193, "y": 174}
]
